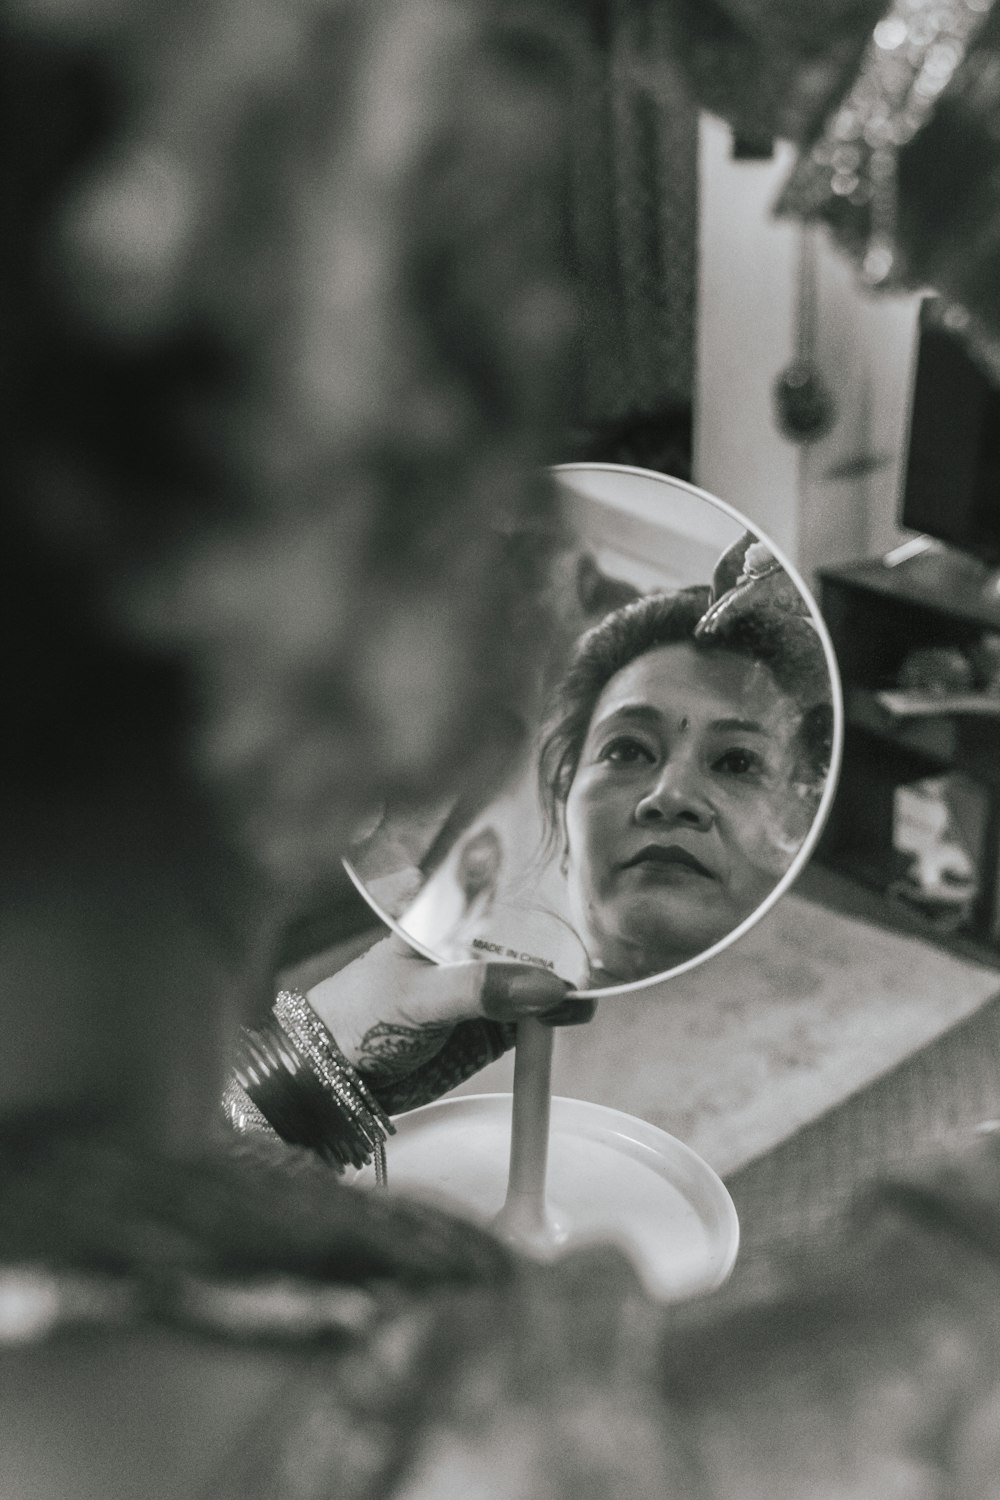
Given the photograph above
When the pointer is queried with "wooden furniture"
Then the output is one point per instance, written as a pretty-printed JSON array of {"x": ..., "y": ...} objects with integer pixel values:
[{"x": 877, "y": 615}]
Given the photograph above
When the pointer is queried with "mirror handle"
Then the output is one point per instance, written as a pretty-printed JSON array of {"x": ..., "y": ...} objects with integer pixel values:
[{"x": 525, "y": 1219}]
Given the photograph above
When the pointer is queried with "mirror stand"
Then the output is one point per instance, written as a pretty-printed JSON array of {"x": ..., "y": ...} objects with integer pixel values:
[
  {"x": 679, "y": 768},
  {"x": 526, "y": 1219},
  {"x": 554, "y": 1174}
]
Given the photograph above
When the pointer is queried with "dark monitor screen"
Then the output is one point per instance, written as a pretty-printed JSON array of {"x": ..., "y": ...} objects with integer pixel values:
[{"x": 951, "y": 489}]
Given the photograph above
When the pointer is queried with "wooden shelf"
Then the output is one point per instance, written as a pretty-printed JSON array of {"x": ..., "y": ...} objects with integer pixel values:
[
  {"x": 944, "y": 583},
  {"x": 936, "y": 739},
  {"x": 877, "y": 616}
]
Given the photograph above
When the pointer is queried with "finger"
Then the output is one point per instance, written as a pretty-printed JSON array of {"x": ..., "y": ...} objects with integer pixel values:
[
  {"x": 575, "y": 1012},
  {"x": 510, "y": 991},
  {"x": 398, "y": 946}
]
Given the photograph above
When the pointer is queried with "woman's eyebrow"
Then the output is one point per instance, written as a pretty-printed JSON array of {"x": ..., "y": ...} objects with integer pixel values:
[
  {"x": 641, "y": 712},
  {"x": 738, "y": 726},
  {"x": 648, "y": 713}
]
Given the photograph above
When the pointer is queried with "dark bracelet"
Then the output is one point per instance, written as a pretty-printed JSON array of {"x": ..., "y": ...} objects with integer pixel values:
[{"x": 291, "y": 1076}]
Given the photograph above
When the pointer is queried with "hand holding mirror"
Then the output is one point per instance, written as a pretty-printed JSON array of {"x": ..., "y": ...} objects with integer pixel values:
[{"x": 674, "y": 785}]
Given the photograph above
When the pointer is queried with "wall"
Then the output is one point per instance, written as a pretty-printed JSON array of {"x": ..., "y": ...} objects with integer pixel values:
[{"x": 746, "y": 313}]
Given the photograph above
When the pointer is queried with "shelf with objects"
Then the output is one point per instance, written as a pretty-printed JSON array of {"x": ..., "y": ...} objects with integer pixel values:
[
  {"x": 917, "y": 635},
  {"x": 917, "y": 814}
]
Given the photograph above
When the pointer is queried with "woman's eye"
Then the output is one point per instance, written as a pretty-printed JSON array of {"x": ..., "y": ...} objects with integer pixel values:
[
  {"x": 626, "y": 751},
  {"x": 739, "y": 761}
]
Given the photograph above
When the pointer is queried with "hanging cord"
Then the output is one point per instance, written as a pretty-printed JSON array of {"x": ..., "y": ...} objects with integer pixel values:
[
  {"x": 806, "y": 304},
  {"x": 804, "y": 408}
]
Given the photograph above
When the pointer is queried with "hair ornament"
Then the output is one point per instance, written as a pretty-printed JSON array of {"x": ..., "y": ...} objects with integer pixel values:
[{"x": 748, "y": 580}]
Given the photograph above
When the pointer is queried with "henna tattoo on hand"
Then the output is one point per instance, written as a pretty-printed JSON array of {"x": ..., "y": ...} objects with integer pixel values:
[
  {"x": 391, "y": 1051},
  {"x": 465, "y": 1048}
]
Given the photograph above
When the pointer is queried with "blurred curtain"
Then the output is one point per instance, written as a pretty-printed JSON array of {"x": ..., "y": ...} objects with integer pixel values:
[{"x": 635, "y": 225}]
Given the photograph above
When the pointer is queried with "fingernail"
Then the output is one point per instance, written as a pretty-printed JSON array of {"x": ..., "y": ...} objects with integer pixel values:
[
  {"x": 510, "y": 990},
  {"x": 570, "y": 1013}
]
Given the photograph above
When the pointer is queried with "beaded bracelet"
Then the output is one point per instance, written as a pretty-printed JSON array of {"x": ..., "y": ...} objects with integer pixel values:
[{"x": 290, "y": 1079}]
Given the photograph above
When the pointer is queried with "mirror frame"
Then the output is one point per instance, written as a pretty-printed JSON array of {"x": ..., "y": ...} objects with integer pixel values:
[{"x": 802, "y": 855}]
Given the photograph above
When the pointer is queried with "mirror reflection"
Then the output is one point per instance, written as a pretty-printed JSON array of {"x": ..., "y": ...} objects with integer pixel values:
[{"x": 677, "y": 769}]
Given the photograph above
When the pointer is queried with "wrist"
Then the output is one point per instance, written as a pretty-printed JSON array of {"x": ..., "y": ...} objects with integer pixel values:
[
  {"x": 335, "y": 1003},
  {"x": 295, "y": 1077}
]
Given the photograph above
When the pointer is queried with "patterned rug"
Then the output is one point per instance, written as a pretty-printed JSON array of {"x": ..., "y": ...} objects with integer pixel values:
[
  {"x": 736, "y": 1057},
  {"x": 935, "y": 1101}
]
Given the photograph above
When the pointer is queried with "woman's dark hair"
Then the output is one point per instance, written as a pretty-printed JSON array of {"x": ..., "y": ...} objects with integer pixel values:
[{"x": 787, "y": 643}]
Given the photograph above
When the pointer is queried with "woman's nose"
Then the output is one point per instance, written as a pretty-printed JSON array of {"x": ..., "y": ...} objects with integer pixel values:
[{"x": 675, "y": 797}]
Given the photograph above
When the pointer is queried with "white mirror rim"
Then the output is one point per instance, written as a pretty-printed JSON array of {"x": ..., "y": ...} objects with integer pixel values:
[{"x": 803, "y": 854}]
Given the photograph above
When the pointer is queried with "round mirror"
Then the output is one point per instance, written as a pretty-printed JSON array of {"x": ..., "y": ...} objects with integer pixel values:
[{"x": 684, "y": 757}]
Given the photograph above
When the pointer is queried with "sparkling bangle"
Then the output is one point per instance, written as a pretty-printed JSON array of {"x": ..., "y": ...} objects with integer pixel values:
[
  {"x": 291, "y": 1077},
  {"x": 850, "y": 170}
]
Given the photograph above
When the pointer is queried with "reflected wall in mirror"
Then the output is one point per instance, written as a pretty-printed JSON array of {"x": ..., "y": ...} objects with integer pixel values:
[{"x": 680, "y": 769}]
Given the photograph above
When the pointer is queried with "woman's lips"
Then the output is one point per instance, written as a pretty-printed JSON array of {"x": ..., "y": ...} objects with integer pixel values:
[{"x": 666, "y": 859}]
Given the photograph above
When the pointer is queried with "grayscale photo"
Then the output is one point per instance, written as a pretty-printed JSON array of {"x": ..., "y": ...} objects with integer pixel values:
[{"x": 500, "y": 929}]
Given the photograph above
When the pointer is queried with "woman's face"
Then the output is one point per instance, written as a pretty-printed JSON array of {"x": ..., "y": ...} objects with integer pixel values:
[{"x": 683, "y": 812}]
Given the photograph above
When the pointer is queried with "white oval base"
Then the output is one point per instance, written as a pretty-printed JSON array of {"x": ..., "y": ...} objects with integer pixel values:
[{"x": 611, "y": 1178}]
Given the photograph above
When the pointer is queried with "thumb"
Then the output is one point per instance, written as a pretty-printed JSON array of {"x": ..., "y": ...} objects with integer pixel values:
[{"x": 511, "y": 991}]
